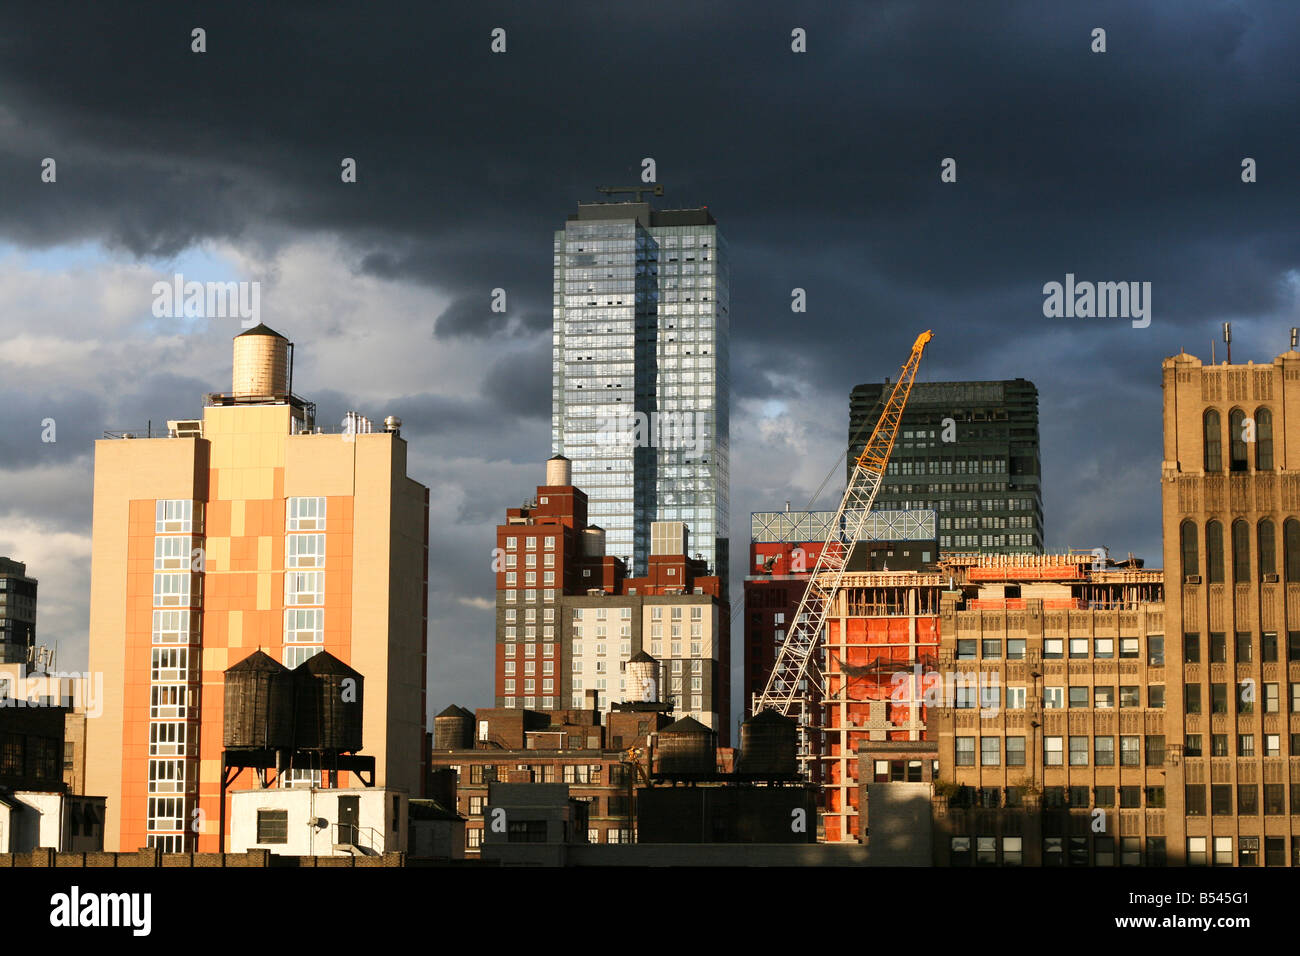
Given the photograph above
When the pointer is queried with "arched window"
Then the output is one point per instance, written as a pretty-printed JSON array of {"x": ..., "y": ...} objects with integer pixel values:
[
  {"x": 1214, "y": 552},
  {"x": 1237, "y": 440},
  {"x": 1191, "y": 560},
  {"x": 1267, "y": 548},
  {"x": 1240, "y": 552},
  {"x": 1263, "y": 440},
  {"x": 1291, "y": 548},
  {"x": 1213, "y": 442}
]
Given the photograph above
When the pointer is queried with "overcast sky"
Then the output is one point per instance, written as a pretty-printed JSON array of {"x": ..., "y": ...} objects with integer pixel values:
[{"x": 822, "y": 168}]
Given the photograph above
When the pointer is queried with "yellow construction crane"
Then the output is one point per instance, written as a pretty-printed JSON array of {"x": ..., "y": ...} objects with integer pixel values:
[{"x": 796, "y": 679}]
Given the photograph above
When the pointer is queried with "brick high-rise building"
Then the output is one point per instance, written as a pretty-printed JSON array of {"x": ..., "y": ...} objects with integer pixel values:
[
  {"x": 569, "y": 619},
  {"x": 247, "y": 529},
  {"x": 1231, "y": 519}
]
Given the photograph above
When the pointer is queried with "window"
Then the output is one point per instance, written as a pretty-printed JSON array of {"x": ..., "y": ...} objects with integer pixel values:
[
  {"x": 1156, "y": 696},
  {"x": 990, "y": 751},
  {"x": 1015, "y": 751},
  {"x": 304, "y": 551},
  {"x": 272, "y": 826},
  {"x": 1213, "y": 440},
  {"x": 1103, "y": 697},
  {"x": 1263, "y": 439},
  {"x": 959, "y": 851},
  {"x": 1079, "y": 751},
  {"x": 1237, "y": 440},
  {"x": 1245, "y": 647},
  {"x": 1218, "y": 745},
  {"x": 986, "y": 851},
  {"x": 1247, "y": 799},
  {"x": 168, "y": 701},
  {"x": 991, "y": 647},
  {"x": 1052, "y": 751},
  {"x": 1194, "y": 799},
  {"x": 1274, "y": 799},
  {"x": 1053, "y": 697},
  {"x": 1155, "y": 745},
  {"x": 1103, "y": 647},
  {"x": 1291, "y": 548},
  {"x": 1128, "y": 648},
  {"x": 1130, "y": 695},
  {"x": 1245, "y": 745},
  {"x": 474, "y": 835},
  {"x": 169, "y": 664},
  {"x": 1218, "y": 649},
  {"x": 1105, "y": 851},
  {"x": 1240, "y": 552},
  {"x": 1053, "y": 851},
  {"x": 304, "y": 587},
  {"x": 1053, "y": 648},
  {"x": 1214, "y": 552},
  {"x": 1218, "y": 698},
  {"x": 172, "y": 590},
  {"x": 174, "y": 516},
  {"x": 1156, "y": 650},
  {"x": 1221, "y": 799},
  {"x": 1015, "y": 698},
  {"x": 1130, "y": 852},
  {"x": 965, "y": 751},
  {"x": 167, "y": 739},
  {"x": 172, "y": 553},
  {"x": 1155, "y": 851},
  {"x": 1191, "y": 558},
  {"x": 966, "y": 649},
  {"x": 1223, "y": 851},
  {"x": 1103, "y": 751},
  {"x": 1016, "y": 649},
  {"x": 1192, "y": 648},
  {"x": 1155, "y": 797},
  {"x": 1267, "y": 549},
  {"x": 1196, "y": 855},
  {"x": 1130, "y": 750},
  {"x": 1012, "y": 851},
  {"x": 304, "y": 625},
  {"x": 305, "y": 514},
  {"x": 1268, "y": 647},
  {"x": 1192, "y": 698},
  {"x": 174, "y": 627},
  {"x": 1078, "y": 647}
]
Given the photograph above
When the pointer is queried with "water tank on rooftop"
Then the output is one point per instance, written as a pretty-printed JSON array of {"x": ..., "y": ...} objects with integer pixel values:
[
  {"x": 258, "y": 705},
  {"x": 559, "y": 471},
  {"x": 327, "y": 705},
  {"x": 768, "y": 746},
  {"x": 453, "y": 729},
  {"x": 642, "y": 679},
  {"x": 261, "y": 366},
  {"x": 687, "y": 749}
]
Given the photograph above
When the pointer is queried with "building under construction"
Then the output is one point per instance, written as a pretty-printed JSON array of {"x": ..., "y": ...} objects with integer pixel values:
[{"x": 886, "y": 678}]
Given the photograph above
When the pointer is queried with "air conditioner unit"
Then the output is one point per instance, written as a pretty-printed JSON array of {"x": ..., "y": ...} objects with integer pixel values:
[
  {"x": 189, "y": 428},
  {"x": 1192, "y": 579},
  {"x": 1271, "y": 579}
]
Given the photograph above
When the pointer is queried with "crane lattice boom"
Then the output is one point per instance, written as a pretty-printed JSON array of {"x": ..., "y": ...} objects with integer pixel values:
[{"x": 797, "y": 671}]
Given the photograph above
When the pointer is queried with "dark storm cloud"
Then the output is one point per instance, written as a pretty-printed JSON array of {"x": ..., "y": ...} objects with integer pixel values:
[{"x": 822, "y": 168}]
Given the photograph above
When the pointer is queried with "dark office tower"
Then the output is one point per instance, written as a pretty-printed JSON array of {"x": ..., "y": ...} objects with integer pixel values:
[
  {"x": 967, "y": 450},
  {"x": 17, "y": 612},
  {"x": 639, "y": 392}
]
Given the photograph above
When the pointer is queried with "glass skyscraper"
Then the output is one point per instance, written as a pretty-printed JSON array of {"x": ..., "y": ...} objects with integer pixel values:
[{"x": 640, "y": 373}]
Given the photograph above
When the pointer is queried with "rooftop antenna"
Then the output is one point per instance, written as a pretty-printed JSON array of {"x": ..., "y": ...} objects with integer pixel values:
[
  {"x": 654, "y": 189},
  {"x": 1295, "y": 333},
  {"x": 1213, "y": 360},
  {"x": 1227, "y": 337}
]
